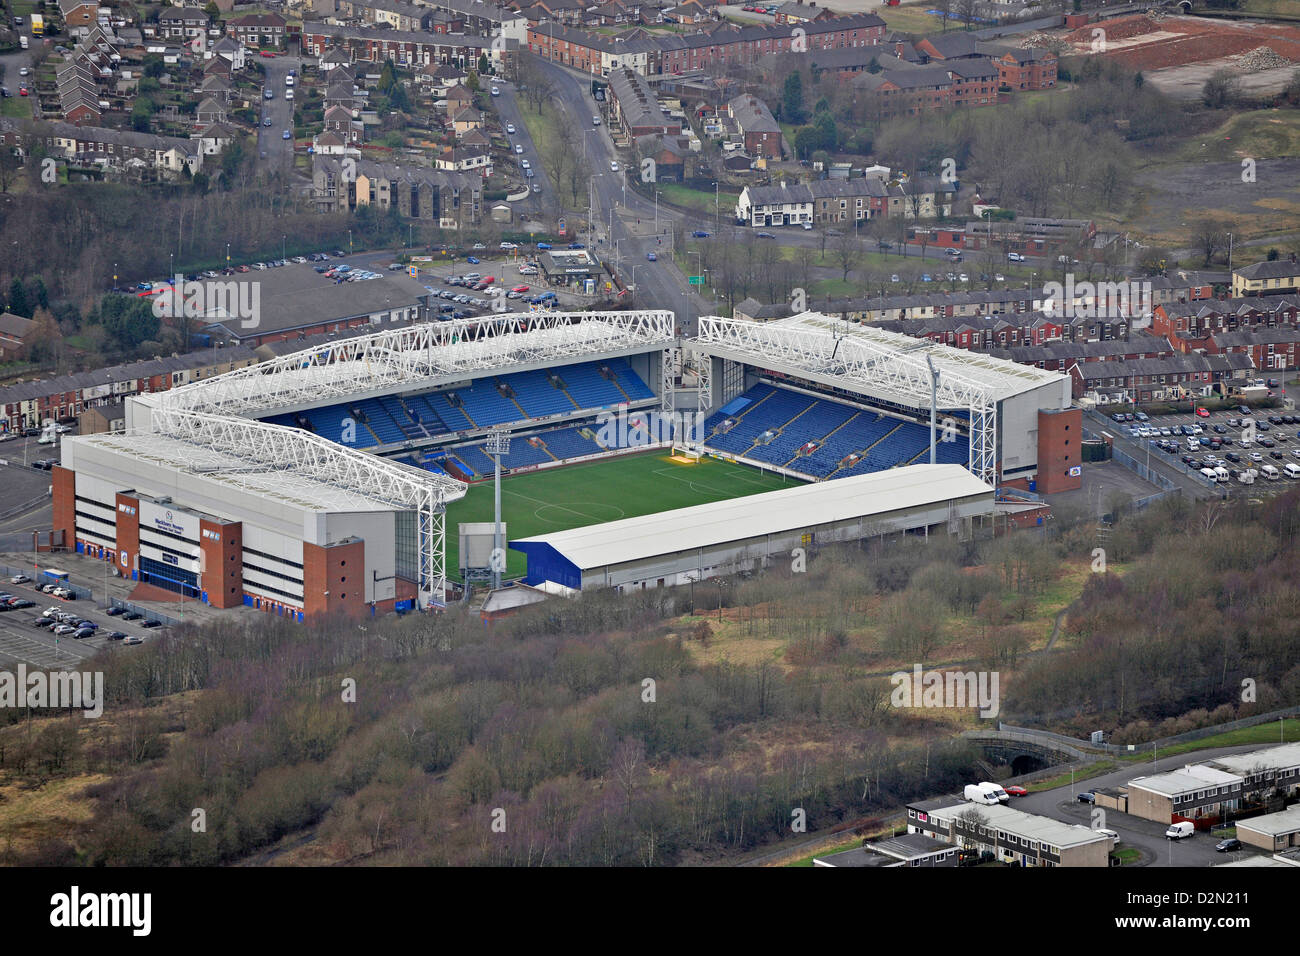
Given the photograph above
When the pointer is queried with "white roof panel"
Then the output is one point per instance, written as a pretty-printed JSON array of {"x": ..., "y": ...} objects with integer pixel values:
[{"x": 772, "y": 512}]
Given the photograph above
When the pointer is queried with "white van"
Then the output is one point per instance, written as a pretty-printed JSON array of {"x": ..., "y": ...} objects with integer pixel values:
[
  {"x": 1291, "y": 470},
  {"x": 1269, "y": 472},
  {"x": 993, "y": 788},
  {"x": 1222, "y": 475},
  {"x": 1178, "y": 831},
  {"x": 1208, "y": 474},
  {"x": 976, "y": 793}
]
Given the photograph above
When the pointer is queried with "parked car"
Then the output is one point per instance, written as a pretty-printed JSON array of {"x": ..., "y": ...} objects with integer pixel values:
[
  {"x": 766, "y": 235},
  {"x": 1016, "y": 791},
  {"x": 116, "y": 635},
  {"x": 1087, "y": 796},
  {"x": 700, "y": 234},
  {"x": 151, "y": 623},
  {"x": 115, "y": 611},
  {"x": 133, "y": 640},
  {"x": 19, "y": 579},
  {"x": 132, "y": 616},
  {"x": 1228, "y": 845},
  {"x": 473, "y": 260},
  {"x": 1015, "y": 257}
]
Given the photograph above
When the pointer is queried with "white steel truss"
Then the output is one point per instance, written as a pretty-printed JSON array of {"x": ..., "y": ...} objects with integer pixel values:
[
  {"x": 270, "y": 448},
  {"x": 411, "y": 356},
  {"x": 891, "y": 369}
]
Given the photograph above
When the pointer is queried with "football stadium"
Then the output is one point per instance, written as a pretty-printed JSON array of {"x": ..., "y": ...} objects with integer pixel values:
[{"x": 334, "y": 479}]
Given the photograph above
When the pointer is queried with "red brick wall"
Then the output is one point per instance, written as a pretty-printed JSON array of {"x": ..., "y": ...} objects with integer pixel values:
[
  {"x": 1059, "y": 434},
  {"x": 128, "y": 533},
  {"x": 65, "y": 504},
  {"x": 340, "y": 570},
  {"x": 223, "y": 575}
]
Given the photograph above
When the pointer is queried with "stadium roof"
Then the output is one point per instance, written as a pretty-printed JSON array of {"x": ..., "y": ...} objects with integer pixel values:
[
  {"x": 887, "y": 366},
  {"x": 286, "y": 485},
  {"x": 421, "y": 355},
  {"x": 772, "y": 512}
]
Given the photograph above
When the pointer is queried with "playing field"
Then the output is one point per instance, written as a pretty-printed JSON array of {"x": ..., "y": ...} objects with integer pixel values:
[{"x": 595, "y": 492}]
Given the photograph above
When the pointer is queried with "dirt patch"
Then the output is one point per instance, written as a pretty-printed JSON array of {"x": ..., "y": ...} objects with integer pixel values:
[{"x": 1145, "y": 44}]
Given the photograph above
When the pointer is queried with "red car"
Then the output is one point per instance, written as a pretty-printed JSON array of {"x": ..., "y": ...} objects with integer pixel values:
[
  {"x": 1202, "y": 413},
  {"x": 267, "y": 53},
  {"x": 1016, "y": 791},
  {"x": 22, "y": 91},
  {"x": 520, "y": 288}
]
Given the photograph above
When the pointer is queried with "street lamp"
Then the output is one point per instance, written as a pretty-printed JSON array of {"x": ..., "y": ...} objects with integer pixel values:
[
  {"x": 349, "y": 242},
  {"x": 114, "y": 276},
  {"x": 282, "y": 246},
  {"x": 227, "y": 255},
  {"x": 171, "y": 267}
]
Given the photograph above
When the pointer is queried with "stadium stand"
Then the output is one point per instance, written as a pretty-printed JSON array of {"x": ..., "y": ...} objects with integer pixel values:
[
  {"x": 774, "y": 424},
  {"x": 397, "y": 418}
]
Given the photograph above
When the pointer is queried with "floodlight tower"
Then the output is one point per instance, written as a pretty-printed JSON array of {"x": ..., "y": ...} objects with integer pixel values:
[
  {"x": 934, "y": 402},
  {"x": 498, "y": 444}
]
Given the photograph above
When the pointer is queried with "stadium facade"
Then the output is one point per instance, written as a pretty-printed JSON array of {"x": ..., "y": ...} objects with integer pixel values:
[{"x": 317, "y": 482}]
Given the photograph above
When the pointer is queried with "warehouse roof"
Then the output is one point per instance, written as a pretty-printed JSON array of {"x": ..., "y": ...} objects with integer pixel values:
[{"x": 773, "y": 512}]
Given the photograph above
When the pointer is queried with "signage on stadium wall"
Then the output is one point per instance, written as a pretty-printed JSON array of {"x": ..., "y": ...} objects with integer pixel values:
[{"x": 168, "y": 520}]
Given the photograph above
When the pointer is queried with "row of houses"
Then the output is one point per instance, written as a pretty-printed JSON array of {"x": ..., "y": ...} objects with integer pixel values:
[
  {"x": 715, "y": 46},
  {"x": 1177, "y": 289},
  {"x": 829, "y": 201},
  {"x": 93, "y": 145},
  {"x": 405, "y": 49},
  {"x": 266, "y": 30},
  {"x": 64, "y": 397},
  {"x": 450, "y": 198}
]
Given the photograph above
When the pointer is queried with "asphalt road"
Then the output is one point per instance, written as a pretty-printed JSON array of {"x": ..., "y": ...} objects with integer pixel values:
[
  {"x": 272, "y": 148},
  {"x": 658, "y": 285},
  {"x": 1144, "y": 835},
  {"x": 509, "y": 111}
]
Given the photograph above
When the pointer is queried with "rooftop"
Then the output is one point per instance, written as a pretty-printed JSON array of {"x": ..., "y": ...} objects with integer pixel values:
[{"x": 772, "y": 512}]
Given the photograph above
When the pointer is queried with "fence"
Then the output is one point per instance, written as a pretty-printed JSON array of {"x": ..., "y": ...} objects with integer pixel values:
[
  {"x": 1142, "y": 503},
  {"x": 1199, "y": 734},
  {"x": 1120, "y": 442},
  {"x": 84, "y": 594},
  {"x": 148, "y": 612}
]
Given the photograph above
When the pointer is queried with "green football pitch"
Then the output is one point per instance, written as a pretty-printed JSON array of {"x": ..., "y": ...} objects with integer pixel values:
[{"x": 595, "y": 492}]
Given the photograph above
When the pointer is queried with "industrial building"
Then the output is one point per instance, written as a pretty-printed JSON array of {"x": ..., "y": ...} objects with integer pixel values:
[{"x": 722, "y": 537}]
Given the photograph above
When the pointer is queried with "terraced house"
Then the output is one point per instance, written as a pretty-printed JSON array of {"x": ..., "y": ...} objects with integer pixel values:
[
  {"x": 120, "y": 149},
  {"x": 453, "y": 199},
  {"x": 266, "y": 30},
  {"x": 710, "y": 47}
]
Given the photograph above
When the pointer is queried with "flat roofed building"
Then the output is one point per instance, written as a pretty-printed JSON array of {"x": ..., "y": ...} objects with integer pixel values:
[
  {"x": 908, "y": 849},
  {"x": 1013, "y": 836},
  {"x": 688, "y": 544},
  {"x": 1272, "y": 831}
]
